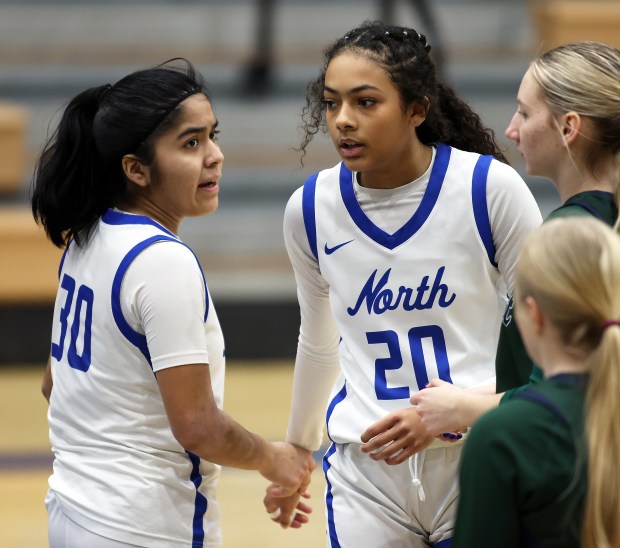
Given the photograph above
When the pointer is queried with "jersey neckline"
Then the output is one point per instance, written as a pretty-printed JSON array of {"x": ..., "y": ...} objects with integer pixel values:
[{"x": 363, "y": 222}]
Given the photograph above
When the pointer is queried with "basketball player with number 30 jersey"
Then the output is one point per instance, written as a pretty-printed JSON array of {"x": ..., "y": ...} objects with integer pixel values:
[{"x": 135, "y": 379}]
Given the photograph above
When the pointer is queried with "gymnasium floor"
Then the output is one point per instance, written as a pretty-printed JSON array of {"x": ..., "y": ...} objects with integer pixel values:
[{"x": 257, "y": 395}]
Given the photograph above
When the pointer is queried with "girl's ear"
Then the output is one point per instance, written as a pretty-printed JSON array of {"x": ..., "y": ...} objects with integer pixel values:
[
  {"x": 570, "y": 126},
  {"x": 136, "y": 171},
  {"x": 417, "y": 112},
  {"x": 534, "y": 314}
]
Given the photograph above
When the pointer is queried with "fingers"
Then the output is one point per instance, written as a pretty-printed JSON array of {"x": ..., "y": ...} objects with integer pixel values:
[
  {"x": 279, "y": 492},
  {"x": 380, "y": 434},
  {"x": 280, "y": 514},
  {"x": 387, "y": 452},
  {"x": 311, "y": 463},
  {"x": 298, "y": 521},
  {"x": 396, "y": 452},
  {"x": 436, "y": 382},
  {"x": 305, "y": 482},
  {"x": 287, "y": 512},
  {"x": 304, "y": 508},
  {"x": 378, "y": 428},
  {"x": 403, "y": 456},
  {"x": 378, "y": 442}
]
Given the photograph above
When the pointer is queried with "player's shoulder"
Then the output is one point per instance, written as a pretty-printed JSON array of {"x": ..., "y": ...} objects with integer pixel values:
[
  {"x": 168, "y": 251},
  {"x": 497, "y": 169},
  {"x": 324, "y": 177}
]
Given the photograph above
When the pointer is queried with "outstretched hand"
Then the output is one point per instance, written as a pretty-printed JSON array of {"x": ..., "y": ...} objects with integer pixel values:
[
  {"x": 282, "y": 502},
  {"x": 289, "y": 467},
  {"x": 396, "y": 437}
]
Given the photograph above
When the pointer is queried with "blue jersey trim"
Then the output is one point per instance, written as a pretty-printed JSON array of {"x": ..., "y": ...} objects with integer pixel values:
[
  {"x": 62, "y": 259},
  {"x": 112, "y": 217},
  {"x": 200, "y": 503},
  {"x": 135, "y": 338},
  {"x": 391, "y": 241},
  {"x": 479, "y": 201},
  {"x": 342, "y": 394},
  {"x": 308, "y": 209},
  {"x": 445, "y": 543},
  {"x": 329, "y": 499}
]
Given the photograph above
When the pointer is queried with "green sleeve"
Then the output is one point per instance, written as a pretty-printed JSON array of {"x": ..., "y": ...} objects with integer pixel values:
[
  {"x": 513, "y": 365},
  {"x": 488, "y": 512},
  {"x": 514, "y": 369}
]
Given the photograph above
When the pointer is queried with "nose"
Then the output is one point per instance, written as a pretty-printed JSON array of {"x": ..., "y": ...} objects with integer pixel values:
[
  {"x": 512, "y": 131},
  {"x": 345, "y": 118},
  {"x": 214, "y": 154}
]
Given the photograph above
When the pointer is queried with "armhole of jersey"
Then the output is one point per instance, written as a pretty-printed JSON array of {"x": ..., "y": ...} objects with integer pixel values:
[
  {"x": 62, "y": 259},
  {"x": 479, "y": 201},
  {"x": 340, "y": 396},
  {"x": 309, "y": 214},
  {"x": 135, "y": 338}
]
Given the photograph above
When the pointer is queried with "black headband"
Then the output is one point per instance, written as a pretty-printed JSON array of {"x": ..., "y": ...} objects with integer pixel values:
[{"x": 168, "y": 110}]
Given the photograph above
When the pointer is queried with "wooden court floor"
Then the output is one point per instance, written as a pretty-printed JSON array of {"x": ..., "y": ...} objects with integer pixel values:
[{"x": 257, "y": 396}]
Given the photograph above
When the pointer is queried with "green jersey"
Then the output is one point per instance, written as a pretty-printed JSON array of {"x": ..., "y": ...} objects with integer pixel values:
[
  {"x": 514, "y": 368},
  {"x": 523, "y": 476}
]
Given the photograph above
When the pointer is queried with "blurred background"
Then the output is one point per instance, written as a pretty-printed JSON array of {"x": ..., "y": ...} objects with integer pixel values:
[{"x": 257, "y": 57}]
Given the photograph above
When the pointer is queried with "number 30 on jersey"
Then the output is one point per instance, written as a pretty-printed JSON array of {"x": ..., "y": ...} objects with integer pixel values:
[{"x": 80, "y": 328}]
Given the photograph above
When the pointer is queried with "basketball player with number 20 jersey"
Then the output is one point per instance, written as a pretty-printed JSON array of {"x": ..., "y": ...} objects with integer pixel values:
[{"x": 403, "y": 256}]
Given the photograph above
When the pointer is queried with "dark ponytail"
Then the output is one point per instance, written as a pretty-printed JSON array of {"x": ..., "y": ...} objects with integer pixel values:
[
  {"x": 68, "y": 193},
  {"x": 79, "y": 173},
  {"x": 453, "y": 122},
  {"x": 404, "y": 54}
]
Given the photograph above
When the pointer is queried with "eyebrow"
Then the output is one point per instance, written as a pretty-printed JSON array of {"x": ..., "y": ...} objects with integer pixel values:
[
  {"x": 196, "y": 129},
  {"x": 356, "y": 89}
]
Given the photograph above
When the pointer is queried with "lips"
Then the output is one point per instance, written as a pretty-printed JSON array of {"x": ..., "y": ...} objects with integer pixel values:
[
  {"x": 209, "y": 185},
  {"x": 350, "y": 148}
]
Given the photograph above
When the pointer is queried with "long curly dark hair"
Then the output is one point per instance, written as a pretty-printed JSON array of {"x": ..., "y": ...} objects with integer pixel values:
[{"x": 404, "y": 54}]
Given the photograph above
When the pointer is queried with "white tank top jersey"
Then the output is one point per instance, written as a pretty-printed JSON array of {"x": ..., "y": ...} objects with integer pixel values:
[
  {"x": 422, "y": 300},
  {"x": 132, "y": 301}
]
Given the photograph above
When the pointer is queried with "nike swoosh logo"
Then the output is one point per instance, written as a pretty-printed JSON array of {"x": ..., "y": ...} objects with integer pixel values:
[{"x": 330, "y": 250}]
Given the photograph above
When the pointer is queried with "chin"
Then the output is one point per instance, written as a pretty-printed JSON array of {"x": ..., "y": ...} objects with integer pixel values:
[
  {"x": 353, "y": 164},
  {"x": 212, "y": 208},
  {"x": 207, "y": 209}
]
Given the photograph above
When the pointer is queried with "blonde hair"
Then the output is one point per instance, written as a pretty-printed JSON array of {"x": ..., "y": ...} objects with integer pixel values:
[
  {"x": 571, "y": 267},
  {"x": 584, "y": 77}
]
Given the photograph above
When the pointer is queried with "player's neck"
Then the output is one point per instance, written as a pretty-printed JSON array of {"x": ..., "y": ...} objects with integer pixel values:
[{"x": 412, "y": 167}]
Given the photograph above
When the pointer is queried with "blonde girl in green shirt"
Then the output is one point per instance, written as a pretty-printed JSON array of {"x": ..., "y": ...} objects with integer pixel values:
[
  {"x": 567, "y": 129},
  {"x": 542, "y": 469}
]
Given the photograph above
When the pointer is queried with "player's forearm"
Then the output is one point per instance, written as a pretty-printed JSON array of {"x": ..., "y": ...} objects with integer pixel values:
[
  {"x": 483, "y": 390},
  {"x": 313, "y": 381},
  {"x": 475, "y": 405},
  {"x": 221, "y": 440}
]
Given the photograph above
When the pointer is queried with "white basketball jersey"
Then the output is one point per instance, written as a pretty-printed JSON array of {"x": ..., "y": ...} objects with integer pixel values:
[
  {"x": 119, "y": 471},
  {"x": 423, "y": 302}
]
